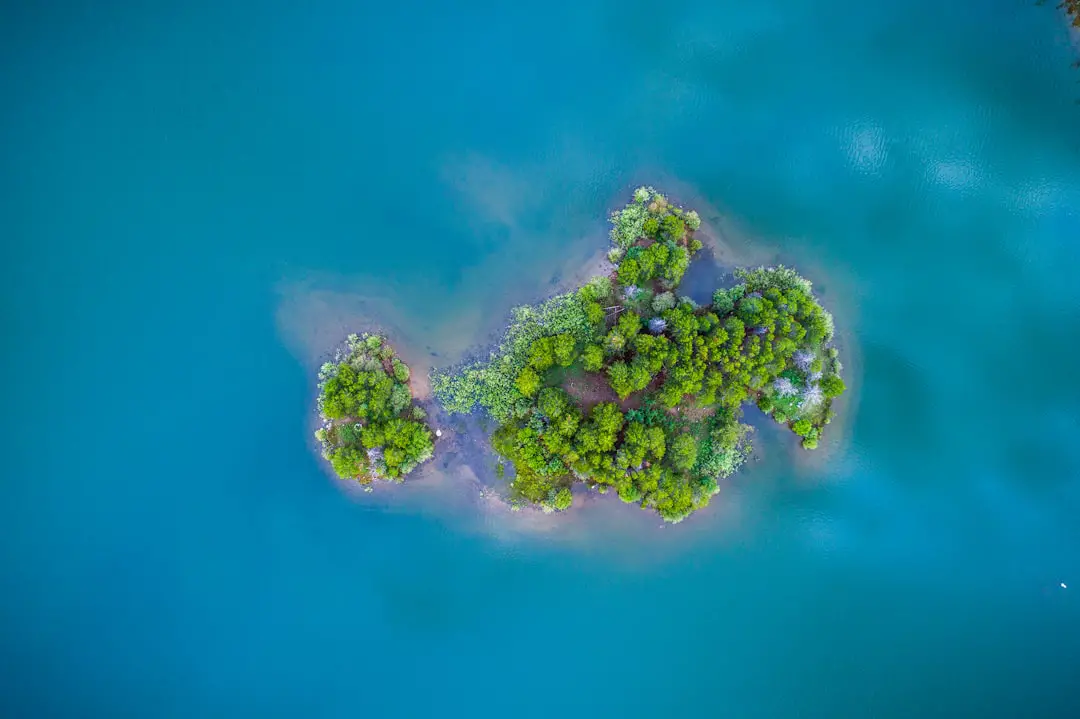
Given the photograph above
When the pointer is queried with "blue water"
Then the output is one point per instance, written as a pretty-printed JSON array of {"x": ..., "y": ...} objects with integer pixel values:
[{"x": 197, "y": 201}]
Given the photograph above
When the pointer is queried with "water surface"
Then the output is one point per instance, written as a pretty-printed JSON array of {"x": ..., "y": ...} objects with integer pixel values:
[{"x": 199, "y": 200}]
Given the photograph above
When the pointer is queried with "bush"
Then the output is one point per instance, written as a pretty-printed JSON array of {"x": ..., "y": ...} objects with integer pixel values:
[
  {"x": 723, "y": 302},
  {"x": 563, "y": 350},
  {"x": 673, "y": 227},
  {"x": 684, "y": 451}
]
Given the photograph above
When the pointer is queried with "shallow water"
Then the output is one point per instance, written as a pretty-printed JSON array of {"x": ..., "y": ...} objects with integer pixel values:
[{"x": 199, "y": 201}]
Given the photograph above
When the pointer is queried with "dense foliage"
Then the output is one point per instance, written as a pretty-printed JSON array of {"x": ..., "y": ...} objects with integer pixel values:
[
  {"x": 371, "y": 429},
  {"x": 680, "y": 373}
]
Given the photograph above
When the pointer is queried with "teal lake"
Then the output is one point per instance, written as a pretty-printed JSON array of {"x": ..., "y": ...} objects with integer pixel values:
[{"x": 199, "y": 200}]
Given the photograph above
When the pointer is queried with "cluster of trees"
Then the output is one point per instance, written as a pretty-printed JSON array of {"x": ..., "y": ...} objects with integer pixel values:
[
  {"x": 681, "y": 373},
  {"x": 371, "y": 429},
  {"x": 652, "y": 463}
]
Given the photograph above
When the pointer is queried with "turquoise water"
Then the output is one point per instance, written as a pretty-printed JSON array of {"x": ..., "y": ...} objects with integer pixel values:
[{"x": 198, "y": 201}]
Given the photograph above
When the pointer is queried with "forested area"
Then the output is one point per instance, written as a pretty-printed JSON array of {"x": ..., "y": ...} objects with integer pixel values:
[{"x": 677, "y": 373}]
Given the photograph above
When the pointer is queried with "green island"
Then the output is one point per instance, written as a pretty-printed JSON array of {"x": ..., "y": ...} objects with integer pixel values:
[
  {"x": 625, "y": 385},
  {"x": 371, "y": 428}
]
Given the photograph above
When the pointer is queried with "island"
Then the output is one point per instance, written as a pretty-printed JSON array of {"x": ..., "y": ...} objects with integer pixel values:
[
  {"x": 370, "y": 427},
  {"x": 625, "y": 385}
]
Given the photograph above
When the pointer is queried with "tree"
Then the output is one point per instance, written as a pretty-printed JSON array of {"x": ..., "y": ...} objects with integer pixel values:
[
  {"x": 542, "y": 354},
  {"x": 802, "y": 427},
  {"x": 592, "y": 358},
  {"x": 400, "y": 398},
  {"x": 528, "y": 382},
  {"x": 676, "y": 266},
  {"x": 629, "y": 271},
  {"x": 628, "y": 325},
  {"x": 553, "y": 402},
  {"x": 348, "y": 462},
  {"x": 673, "y": 227},
  {"x": 684, "y": 452},
  {"x": 722, "y": 302},
  {"x": 620, "y": 379}
]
